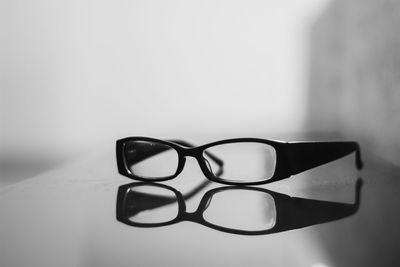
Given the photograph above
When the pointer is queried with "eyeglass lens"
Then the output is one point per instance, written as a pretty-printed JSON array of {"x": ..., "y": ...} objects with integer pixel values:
[
  {"x": 243, "y": 162},
  {"x": 150, "y": 159}
]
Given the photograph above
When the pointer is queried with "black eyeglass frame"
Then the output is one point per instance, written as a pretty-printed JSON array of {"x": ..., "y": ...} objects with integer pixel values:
[{"x": 291, "y": 157}]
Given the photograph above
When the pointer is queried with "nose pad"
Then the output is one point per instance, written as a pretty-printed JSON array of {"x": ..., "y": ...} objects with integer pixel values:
[
  {"x": 208, "y": 165},
  {"x": 218, "y": 170},
  {"x": 208, "y": 203}
]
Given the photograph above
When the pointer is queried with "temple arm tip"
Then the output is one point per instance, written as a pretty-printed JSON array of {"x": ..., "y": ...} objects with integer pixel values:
[
  {"x": 359, "y": 161},
  {"x": 360, "y": 164}
]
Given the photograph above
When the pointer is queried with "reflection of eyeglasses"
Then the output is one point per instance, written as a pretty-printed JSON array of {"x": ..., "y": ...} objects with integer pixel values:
[
  {"x": 243, "y": 161},
  {"x": 232, "y": 209}
]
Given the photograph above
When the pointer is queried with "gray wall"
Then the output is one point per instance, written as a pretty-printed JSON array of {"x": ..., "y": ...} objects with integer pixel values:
[{"x": 355, "y": 74}]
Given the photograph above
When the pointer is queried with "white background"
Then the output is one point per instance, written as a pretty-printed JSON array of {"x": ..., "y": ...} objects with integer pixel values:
[{"x": 80, "y": 72}]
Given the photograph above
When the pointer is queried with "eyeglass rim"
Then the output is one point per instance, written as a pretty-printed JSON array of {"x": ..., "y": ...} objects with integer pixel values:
[{"x": 281, "y": 169}]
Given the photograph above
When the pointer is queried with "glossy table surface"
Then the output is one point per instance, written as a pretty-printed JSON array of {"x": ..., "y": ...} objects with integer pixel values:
[{"x": 332, "y": 215}]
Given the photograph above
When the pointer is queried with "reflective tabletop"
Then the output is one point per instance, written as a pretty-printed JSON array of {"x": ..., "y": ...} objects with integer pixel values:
[{"x": 86, "y": 214}]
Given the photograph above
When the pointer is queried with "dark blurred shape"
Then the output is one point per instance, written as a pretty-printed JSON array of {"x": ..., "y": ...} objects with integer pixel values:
[
  {"x": 354, "y": 75},
  {"x": 225, "y": 208}
]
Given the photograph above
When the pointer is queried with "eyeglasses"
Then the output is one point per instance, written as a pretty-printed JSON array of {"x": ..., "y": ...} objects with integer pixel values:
[
  {"x": 232, "y": 209},
  {"x": 241, "y": 161}
]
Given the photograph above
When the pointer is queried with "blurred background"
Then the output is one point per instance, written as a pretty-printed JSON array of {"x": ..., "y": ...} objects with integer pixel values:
[
  {"x": 354, "y": 75},
  {"x": 80, "y": 74},
  {"x": 77, "y": 75}
]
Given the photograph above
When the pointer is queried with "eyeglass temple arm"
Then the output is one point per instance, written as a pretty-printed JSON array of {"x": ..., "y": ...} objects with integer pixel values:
[{"x": 303, "y": 156}]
